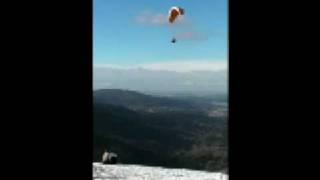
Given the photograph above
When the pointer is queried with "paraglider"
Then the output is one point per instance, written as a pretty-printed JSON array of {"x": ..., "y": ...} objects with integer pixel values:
[{"x": 174, "y": 14}]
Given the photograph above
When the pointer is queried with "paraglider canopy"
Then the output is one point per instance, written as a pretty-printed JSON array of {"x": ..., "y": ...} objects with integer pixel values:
[{"x": 175, "y": 13}]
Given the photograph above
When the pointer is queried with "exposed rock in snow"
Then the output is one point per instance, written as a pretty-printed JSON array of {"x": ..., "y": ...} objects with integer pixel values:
[{"x": 138, "y": 172}]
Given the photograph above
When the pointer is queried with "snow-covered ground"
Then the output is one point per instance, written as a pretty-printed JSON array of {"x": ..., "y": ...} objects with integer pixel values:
[{"x": 138, "y": 172}]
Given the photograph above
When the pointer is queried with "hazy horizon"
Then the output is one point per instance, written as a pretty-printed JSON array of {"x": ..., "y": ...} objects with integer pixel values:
[{"x": 161, "y": 81}]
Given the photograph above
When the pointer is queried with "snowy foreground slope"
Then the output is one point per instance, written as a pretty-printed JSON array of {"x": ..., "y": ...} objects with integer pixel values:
[{"x": 138, "y": 172}]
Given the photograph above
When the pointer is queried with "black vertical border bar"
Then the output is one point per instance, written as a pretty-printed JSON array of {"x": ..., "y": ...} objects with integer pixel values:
[{"x": 233, "y": 83}]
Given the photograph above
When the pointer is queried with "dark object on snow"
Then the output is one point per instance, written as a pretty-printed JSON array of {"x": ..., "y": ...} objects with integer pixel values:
[
  {"x": 173, "y": 40},
  {"x": 109, "y": 158}
]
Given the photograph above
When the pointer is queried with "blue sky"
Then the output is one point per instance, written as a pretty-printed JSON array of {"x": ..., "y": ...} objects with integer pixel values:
[{"x": 121, "y": 39}]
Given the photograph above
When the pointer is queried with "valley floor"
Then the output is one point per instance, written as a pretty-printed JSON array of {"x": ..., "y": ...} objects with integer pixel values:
[{"x": 138, "y": 172}]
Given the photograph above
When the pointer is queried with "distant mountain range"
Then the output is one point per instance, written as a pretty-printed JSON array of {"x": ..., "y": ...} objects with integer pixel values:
[
  {"x": 138, "y": 101},
  {"x": 151, "y": 130},
  {"x": 161, "y": 82}
]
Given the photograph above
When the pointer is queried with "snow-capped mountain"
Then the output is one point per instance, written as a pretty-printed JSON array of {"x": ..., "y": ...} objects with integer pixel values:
[{"x": 138, "y": 172}]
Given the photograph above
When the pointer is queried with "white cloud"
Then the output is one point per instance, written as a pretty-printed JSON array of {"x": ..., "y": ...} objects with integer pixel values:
[
  {"x": 158, "y": 19},
  {"x": 177, "y": 66},
  {"x": 187, "y": 66},
  {"x": 182, "y": 28},
  {"x": 188, "y": 83},
  {"x": 147, "y": 18}
]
